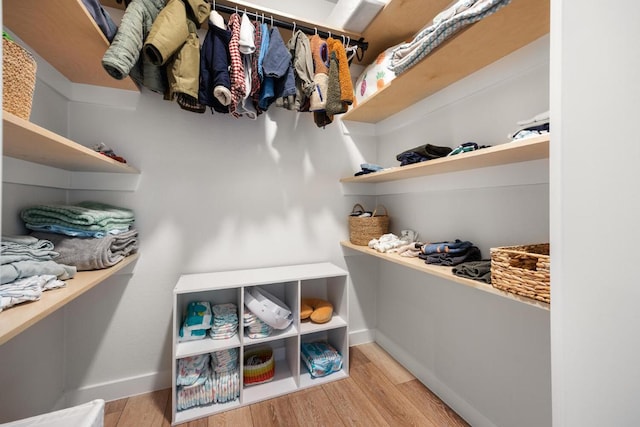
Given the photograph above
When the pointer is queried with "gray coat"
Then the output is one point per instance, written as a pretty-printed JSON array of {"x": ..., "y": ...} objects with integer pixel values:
[{"x": 124, "y": 57}]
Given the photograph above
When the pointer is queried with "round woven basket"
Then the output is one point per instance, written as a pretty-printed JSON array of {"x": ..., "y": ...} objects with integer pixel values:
[
  {"x": 18, "y": 79},
  {"x": 363, "y": 229}
]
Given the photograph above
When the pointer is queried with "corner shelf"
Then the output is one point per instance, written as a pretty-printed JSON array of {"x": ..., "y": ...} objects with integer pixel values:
[
  {"x": 27, "y": 141},
  {"x": 18, "y": 318},
  {"x": 533, "y": 148},
  {"x": 512, "y": 27},
  {"x": 444, "y": 273},
  {"x": 66, "y": 36}
]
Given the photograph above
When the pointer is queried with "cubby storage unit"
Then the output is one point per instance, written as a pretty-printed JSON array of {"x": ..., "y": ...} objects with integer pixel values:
[{"x": 287, "y": 283}]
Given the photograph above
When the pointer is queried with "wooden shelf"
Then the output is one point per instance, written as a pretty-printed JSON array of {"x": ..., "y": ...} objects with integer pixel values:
[
  {"x": 444, "y": 273},
  {"x": 20, "y": 317},
  {"x": 66, "y": 36},
  {"x": 27, "y": 141},
  {"x": 512, "y": 27},
  {"x": 533, "y": 148}
]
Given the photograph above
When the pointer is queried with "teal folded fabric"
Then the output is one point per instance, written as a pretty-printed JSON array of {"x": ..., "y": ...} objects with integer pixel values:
[{"x": 84, "y": 216}]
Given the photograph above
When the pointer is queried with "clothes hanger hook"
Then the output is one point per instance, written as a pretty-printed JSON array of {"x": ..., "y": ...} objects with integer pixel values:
[
  {"x": 315, "y": 30},
  {"x": 343, "y": 39},
  {"x": 271, "y": 21},
  {"x": 294, "y": 27},
  {"x": 329, "y": 34}
]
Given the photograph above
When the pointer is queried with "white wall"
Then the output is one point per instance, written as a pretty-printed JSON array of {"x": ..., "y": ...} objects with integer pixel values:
[
  {"x": 595, "y": 151},
  {"x": 487, "y": 357},
  {"x": 216, "y": 193}
]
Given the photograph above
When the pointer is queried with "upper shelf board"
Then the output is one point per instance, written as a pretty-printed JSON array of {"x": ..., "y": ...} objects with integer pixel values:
[
  {"x": 27, "y": 141},
  {"x": 66, "y": 36},
  {"x": 533, "y": 148},
  {"x": 512, "y": 27}
]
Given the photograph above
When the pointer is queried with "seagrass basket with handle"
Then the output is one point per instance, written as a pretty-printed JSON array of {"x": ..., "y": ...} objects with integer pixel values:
[
  {"x": 18, "y": 78},
  {"x": 363, "y": 229}
]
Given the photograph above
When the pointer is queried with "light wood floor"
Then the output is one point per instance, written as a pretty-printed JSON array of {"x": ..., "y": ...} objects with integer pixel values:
[{"x": 378, "y": 392}]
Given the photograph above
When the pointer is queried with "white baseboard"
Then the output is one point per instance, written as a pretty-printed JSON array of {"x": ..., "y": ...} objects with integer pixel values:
[
  {"x": 362, "y": 336},
  {"x": 121, "y": 388},
  {"x": 450, "y": 397}
]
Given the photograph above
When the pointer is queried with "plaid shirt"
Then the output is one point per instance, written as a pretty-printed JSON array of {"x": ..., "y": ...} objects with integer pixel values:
[
  {"x": 255, "y": 82},
  {"x": 236, "y": 71}
]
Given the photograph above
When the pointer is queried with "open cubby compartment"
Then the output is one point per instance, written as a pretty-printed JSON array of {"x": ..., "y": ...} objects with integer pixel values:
[
  {"x": 332, "y": 289},
  {"x": 285, "y": 380},
  {"x": 339, "y": 339},
  {"x": 207, "y": 344},
  {"x": 286, "y": 292},
  {"x": 202, "y": 410}
]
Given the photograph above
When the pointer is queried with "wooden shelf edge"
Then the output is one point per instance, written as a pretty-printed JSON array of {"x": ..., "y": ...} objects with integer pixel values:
[
  {"x": 65, "y": 35},
  {"x": 533, "y": 148},
  {"x": 25, "y": 140},
  {"x": 18, "y": 318},
  {"x": 469, "y": 50},
  {"x": 444, "y": 273}
]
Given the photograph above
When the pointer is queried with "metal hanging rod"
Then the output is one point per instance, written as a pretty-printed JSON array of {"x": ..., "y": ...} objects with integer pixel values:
[{"x": 360, "y": 43}]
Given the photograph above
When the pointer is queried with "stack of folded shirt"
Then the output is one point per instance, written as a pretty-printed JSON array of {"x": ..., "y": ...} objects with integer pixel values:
[
  {"x": 28, "y": 267},
  {"x": 475, "y": 270},
  {"x": 85, "y": 219},
  {"x": 388, "y": 242},
  {"x": 422, "y": 153},
  {"x": 225, "y": 321},
  {"x": 195, "y": 382},
  {"x": 197, "y": 321},
  {"x": 254, "y": 327},
  {"x": 366, "y": 168},
  {"x": 449, "y": 253}
]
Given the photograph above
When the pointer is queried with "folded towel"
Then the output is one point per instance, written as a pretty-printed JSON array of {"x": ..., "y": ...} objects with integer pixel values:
[
  {"x": 24, "y": 248},
  {"x": 84, "y": 215},
  {"x": 92, "y": 254},
  {"x": 476, "y": 270},
  {"x": 21, "y": 269},
  {"x": 27, "y": 289}
]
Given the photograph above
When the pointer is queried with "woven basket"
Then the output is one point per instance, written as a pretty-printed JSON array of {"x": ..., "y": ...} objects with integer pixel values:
[
  {"x": 258, "y": 373},
  {"x": 362, "y": 230},
  {"x": 522, "y": 270},
  {"x": 18, "y": 79}
]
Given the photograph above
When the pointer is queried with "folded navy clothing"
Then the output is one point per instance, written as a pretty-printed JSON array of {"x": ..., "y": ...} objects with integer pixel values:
[
  {"x": 451, "y": 247},
  {"x": 422, "y": 153}
]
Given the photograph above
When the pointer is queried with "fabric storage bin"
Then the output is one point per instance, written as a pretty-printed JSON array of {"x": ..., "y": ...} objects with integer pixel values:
[
  {"x": 259, "y": 366},
  {"x": 363, "y": 229},
  {"x": 18, "y": 78},
  {"x": 522, "y": 270}
]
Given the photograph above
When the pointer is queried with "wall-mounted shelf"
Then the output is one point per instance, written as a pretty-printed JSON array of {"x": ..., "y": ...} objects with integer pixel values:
[
  {"x": 533, "y": 148},
  {"x": 512, "y": 27},
  {"x": 20, "y": 317},
  {"x": 27, "y": 141},
  {"x": 66, "y": 36},
  {"x": 444, "y": 273}
]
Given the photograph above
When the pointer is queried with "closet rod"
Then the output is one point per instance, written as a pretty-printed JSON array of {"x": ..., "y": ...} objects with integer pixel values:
[{"x": 363, "y": 45}]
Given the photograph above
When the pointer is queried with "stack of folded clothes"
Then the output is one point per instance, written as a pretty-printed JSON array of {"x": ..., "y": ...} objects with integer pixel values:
[
  {"x": 29, "y": 266},
  {"x": 475, "y": 270},
  {"x": 536, "y": 125},
  {"x": 88, "y": 235},
  {"x": 422, "y": 153},
  {"x": 449, "y": 253}
]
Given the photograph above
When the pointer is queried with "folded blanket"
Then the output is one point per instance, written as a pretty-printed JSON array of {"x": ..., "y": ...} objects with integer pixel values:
[
  {"x": 77, "y": 232},
  {"x": 23, "y": 248},
  {"x": 92, "y": 254},
  {"x": 476, "y": 270},
  {"x": 84, "y": 215},
  {"x": 444, "y": 25},
  {"x": 22, "y": 269},
  {"x": 470, "y": 254}
]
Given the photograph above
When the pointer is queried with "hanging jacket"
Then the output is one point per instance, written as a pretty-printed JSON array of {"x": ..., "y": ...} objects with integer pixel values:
[
  {"x": 303, "y": 68},
  {"x": 346, "y": 85},
  {"x": 183, "y": 69},
  {"x": 123, "y": 57},
  {"x": 277, "y": 64},
  {"x": 215, "y": 84},
  {"x": 170, "y": 30},
  {"x": 320, "y": 55},
  {"x": 102, "y": 18}
]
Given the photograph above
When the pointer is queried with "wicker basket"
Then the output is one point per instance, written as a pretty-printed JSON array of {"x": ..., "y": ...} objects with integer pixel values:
[
  {"x": 522, "y": 270},
  {"x": 18, "y": 79},
  {"x": 362, "y": 230},
  {"x": 259, "y": 366}
]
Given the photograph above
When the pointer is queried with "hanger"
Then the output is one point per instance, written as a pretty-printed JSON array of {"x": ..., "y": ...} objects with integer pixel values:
[{"x": 294, "y": 28}]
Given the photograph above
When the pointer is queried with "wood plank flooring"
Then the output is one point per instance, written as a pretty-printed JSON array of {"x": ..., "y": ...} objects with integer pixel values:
[{"x": 378, "y": 392}]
